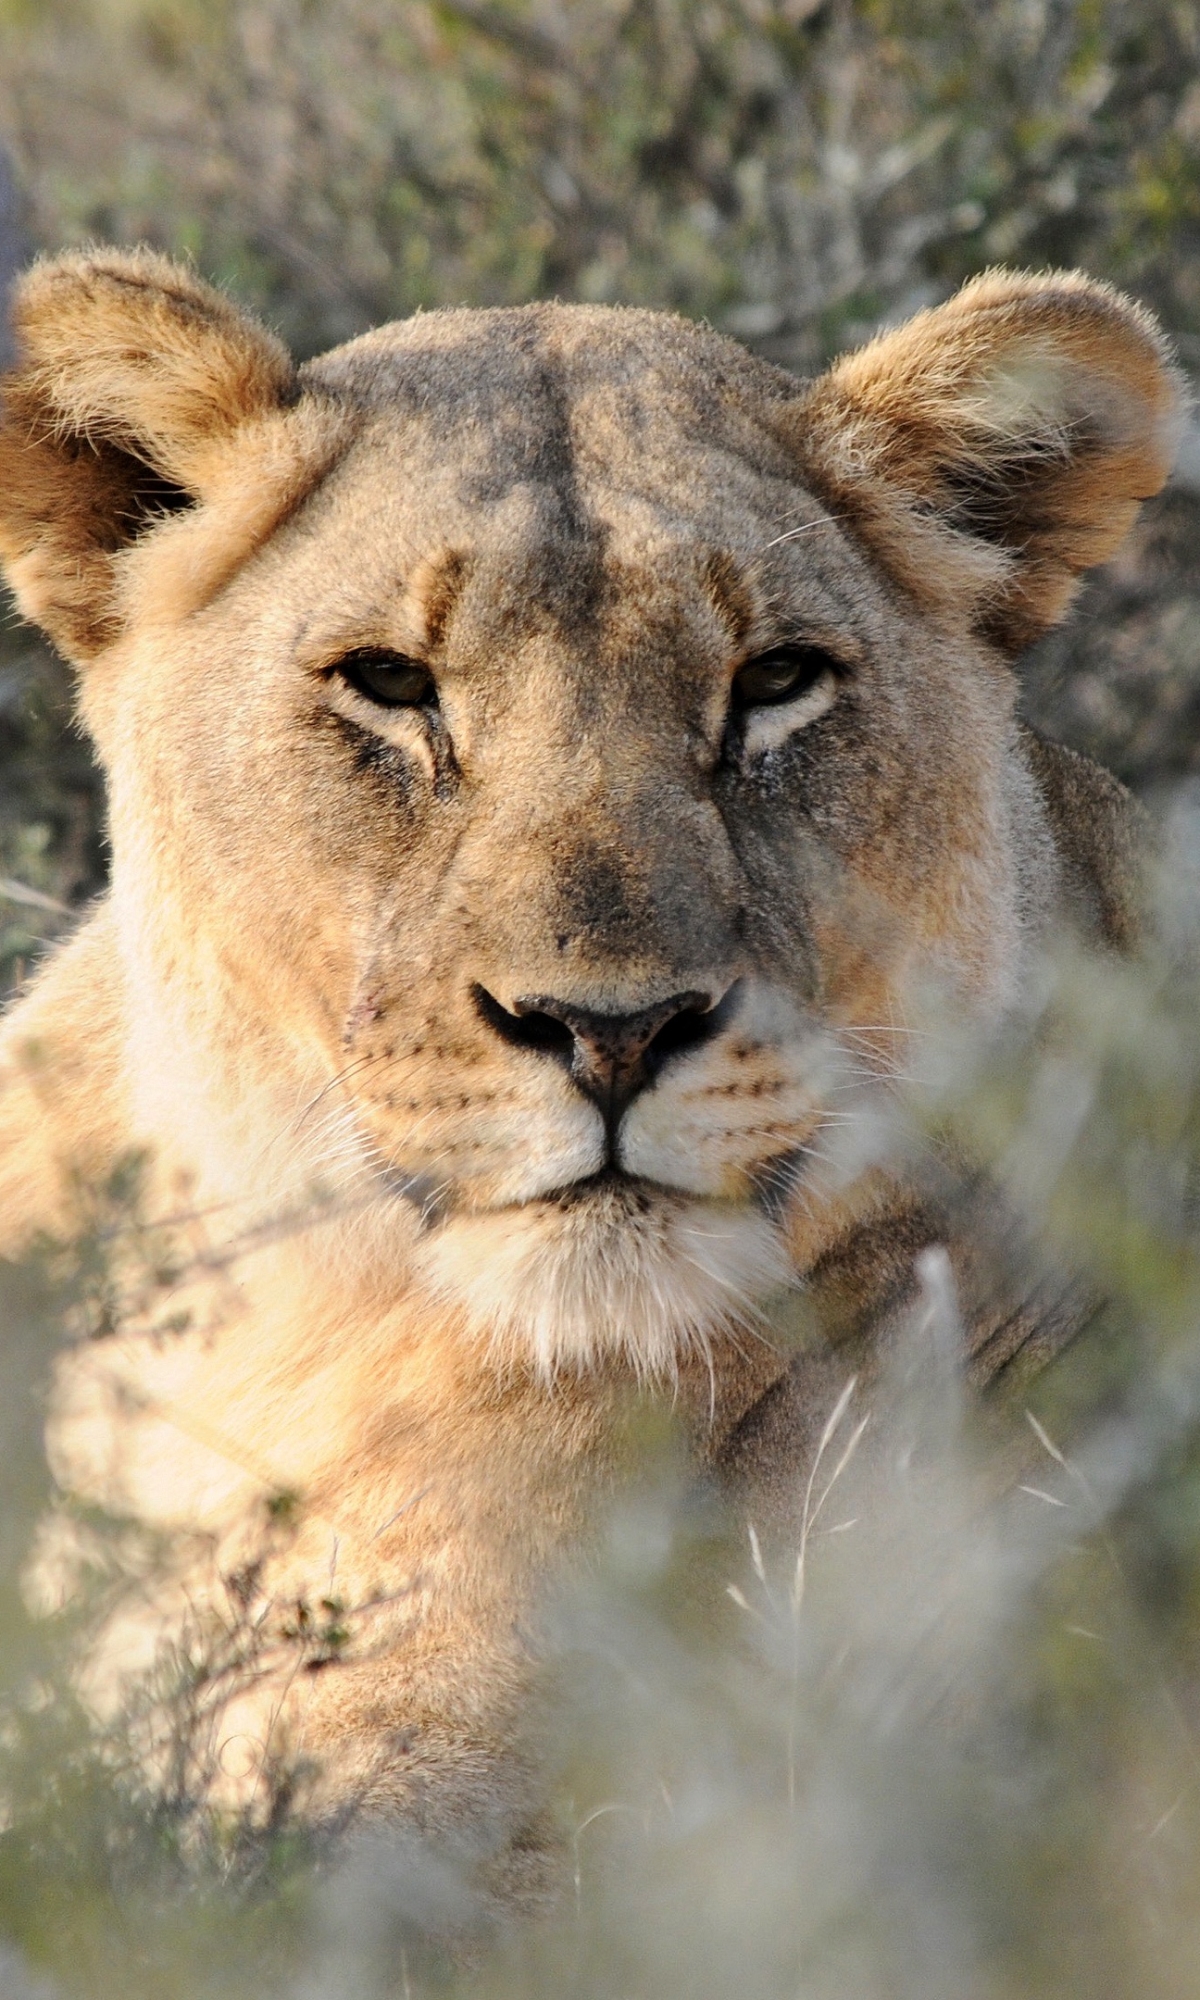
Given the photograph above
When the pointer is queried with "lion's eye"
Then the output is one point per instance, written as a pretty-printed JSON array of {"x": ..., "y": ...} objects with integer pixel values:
[
  {"x": 781, "y": 675},
  {"x": 388, "y": 678}
]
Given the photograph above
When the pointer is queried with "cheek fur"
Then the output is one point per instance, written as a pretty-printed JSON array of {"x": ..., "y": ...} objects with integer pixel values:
[
  {"x": 711, "y": 1125},
  {"x": 485, "y": 1130}
]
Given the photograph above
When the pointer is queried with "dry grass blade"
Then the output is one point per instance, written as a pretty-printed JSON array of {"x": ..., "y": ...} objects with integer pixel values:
[{"x": 32, "y": 899}]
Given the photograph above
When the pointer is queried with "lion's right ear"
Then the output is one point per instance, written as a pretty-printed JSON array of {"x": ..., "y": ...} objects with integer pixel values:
[{"x": 132, "y": 379}]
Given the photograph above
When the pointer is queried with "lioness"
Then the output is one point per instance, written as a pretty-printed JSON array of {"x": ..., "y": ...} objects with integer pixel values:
[{"x": 547, "y": 751}]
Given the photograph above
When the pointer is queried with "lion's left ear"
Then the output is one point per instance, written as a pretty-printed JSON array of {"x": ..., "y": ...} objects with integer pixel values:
[{"x": 993, "y": 448}]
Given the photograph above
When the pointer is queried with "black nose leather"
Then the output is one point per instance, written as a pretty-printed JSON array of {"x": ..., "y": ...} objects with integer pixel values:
[{"x": 610, "y": 1056}]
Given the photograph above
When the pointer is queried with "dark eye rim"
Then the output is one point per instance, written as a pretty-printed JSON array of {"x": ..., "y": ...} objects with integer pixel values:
[
  {"x": 352, "y": 667},
  {"x": 810, "y": 658}
]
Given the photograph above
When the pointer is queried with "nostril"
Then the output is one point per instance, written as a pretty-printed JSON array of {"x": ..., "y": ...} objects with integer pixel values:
[
  {"x": 697, "y": 1022},
  {"x": 686, "y": 1030},
  {"x": 530, "y": 1029},
  {"x": 542, "y": 1031}
]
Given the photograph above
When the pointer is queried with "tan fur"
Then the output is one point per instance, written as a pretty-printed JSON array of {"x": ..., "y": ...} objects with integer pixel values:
[
  {"x": 1023, "y": 419},
  {"x": 144, "y": 378},
  {"x": 408, "y": 1299}
]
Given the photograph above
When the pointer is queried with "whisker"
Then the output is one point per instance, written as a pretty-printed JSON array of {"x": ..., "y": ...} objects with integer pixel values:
[
  {"x": 359, "y": 1063},
  {"x": 879, "y": 1028},
  {"x": 825, "y": 521}
]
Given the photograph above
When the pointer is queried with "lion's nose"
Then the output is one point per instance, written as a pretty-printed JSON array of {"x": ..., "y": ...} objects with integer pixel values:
[{"x": 610, "y": 1056}]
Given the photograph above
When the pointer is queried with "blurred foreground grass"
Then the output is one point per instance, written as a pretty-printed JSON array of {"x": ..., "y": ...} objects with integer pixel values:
[{"x": 950, "y": 1746}]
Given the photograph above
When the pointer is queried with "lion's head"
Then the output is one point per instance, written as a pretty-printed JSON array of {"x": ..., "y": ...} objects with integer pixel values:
[{"x": 548, "y": 747}]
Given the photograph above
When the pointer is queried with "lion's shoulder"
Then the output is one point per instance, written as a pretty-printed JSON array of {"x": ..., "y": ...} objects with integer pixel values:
[
  {"x": 1101, "y": 834},
  {"x": 63, "y": 1115}
]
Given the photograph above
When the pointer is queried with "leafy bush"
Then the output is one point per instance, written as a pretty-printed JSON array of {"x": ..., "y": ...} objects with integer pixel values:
[{"x": 945, "y": 1745}]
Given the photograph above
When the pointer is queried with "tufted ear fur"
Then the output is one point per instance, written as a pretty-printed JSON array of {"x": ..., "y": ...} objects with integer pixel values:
[
  {"x": 132, "y": 380},
  {"x": 996, "y": 446}
]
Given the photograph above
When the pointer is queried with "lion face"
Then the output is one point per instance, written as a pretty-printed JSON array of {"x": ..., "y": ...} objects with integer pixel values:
[
  {"x": 575, "y": 755},
  {"x": 550, "y": 756}
]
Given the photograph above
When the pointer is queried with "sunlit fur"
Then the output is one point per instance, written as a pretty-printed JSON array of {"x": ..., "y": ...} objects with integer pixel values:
[
  {"x": 644, "y": 1277},
  {"x": 415, "y": 1285}
]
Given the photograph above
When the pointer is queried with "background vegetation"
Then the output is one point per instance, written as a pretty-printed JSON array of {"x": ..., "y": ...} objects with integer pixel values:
[{"x": 981, "y": 1783}]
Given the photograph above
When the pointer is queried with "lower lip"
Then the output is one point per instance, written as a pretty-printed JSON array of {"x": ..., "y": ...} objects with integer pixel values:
[{"x": 609, "y": 1180}]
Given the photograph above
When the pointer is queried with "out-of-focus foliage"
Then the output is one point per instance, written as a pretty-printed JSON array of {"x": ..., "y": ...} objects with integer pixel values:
[
  {"x": 793, "y": 168},
  {"x": 947, "y": 1746},
  {"x": 50, "y": 851}
]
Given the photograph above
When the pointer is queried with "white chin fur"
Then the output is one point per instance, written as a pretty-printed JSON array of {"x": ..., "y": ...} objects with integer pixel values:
[{"x": 611, "y": 1277}]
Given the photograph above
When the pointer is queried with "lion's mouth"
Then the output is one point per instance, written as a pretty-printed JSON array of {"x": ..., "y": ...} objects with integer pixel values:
[
  {"x": 608, "y": 1183},
  {"x": 611, "y": 1190},
  {"x": 769, "y": 1189},
  {"x": 609, "y": 1187}
]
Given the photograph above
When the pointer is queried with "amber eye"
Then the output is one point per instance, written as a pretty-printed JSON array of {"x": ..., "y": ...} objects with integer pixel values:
[
  {"x": 781, "y": 675},
  {"x": 389, "y": 679}
]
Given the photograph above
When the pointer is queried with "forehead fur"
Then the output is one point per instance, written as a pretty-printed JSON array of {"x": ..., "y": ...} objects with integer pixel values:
[
  {"x": 561, "y": 425},
  {"x": 566, "y": 397},
  {"x": 502, "y": 357}
]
